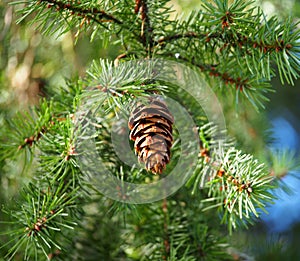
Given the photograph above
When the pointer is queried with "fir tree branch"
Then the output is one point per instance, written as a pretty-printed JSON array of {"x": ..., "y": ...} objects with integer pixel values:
[
  {"x": 237, "y": 183},
  {"x": 236, "y": 32},
  {"x": 217, "y": 41},
  {"x": 95, "y": 14},
  {"x": 245, "y": 84},
  {"x": 212, "y": 71},
  {"x": 191, "y": 35},
  {"x": 99, "y": 16},
  {"x": 26, "y": 129},
  {"x": 29, "y": 141},
  {"x": 239, "y": 40},
  {"x": 63, "y": 16},
  {"x": 45, "y": 212}
]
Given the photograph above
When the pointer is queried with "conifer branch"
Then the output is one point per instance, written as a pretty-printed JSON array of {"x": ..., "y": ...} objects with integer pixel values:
[
  {"x": 239, "y": 40},
  {"x": 212, "y": 71},
  {"x": 237, "y": 183},
  {"x": 191, "y": 35},
  {"x": 99, "y": 16},
  {"x": 231, "y": 44},
  {"x": 29, "y": 141},
  {"x": 71, "y": 15},
  {"x": 45, "y": 212},
  {"x": 27, "y": 128},
  {"x": 233, "y": 32}
]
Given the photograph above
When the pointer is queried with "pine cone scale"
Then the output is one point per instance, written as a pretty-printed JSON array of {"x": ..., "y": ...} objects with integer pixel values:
[
  {"x": 150, "y": 127},
  {"x": 146, "y": 113}
]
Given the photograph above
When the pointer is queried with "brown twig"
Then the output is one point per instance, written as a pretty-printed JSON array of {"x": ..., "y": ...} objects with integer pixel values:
[
  {"x": 29, "y": 141},
  {"x": 191, "y": 35},
  {"x": 95, "y": 14},
  {"x": 98, "y": 16},
  {"x": 212, "y": 70},
  {"x": 137, "y": 6},
  {"x": 146, "y": 29},
  {"x": 241, "y": 42},
  {"x": 166, "y": 235}
]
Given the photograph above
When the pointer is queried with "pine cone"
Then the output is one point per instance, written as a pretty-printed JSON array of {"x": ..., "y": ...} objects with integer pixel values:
[{"x": 151, "y": 129}]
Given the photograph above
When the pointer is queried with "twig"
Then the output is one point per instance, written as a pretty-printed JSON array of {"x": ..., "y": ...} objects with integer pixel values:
[
  {"x": 166, "y": 236},
  {"x": 29, "y": 141},
  {"x": 93, "y": 13},
  {"x": 146, "y": 29},
  {"x": 212, "y": 70},
  {"x": 170, "y": 38},
  {"x": 242, "y": 41}
]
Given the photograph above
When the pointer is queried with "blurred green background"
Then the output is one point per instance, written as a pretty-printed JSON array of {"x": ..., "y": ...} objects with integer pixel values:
[{"x": 32, "y": 64}]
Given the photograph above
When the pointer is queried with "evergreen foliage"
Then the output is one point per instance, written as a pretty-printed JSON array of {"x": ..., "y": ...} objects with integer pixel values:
[{"x": 60, "y": 214}]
